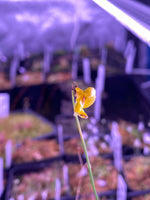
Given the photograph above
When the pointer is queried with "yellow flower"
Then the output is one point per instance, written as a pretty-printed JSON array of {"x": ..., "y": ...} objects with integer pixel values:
[{"x": 84, "y": 99}]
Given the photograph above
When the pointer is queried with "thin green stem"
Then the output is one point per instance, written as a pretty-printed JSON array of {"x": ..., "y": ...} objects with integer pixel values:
[{"x": 85, "y": 150}]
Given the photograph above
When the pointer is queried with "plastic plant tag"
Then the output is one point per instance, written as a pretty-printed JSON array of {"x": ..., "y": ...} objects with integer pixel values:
[
  {"x": 75, "y": 64},
  {"x": 116, "y": 146},
  {"x": 82, "y": 172},
  {"x": 4, "y": 105},
  {"x": 100, "y": 80},
  {"x": 8, "y": 153},
  {"x": 122, "y": 188},
  {"x": 137, "y": 143},
  {"x": 21, "y": 50},
  {"x": 85, "y": 135},
  {"x": 57, "y": 189},
  {"x": 13, "y": 69},
  {"x": 93, "y": 151},
  {"x": 146, "y": 138},
  {"x": 101, "y": 182},
  {"x": 93, "y": 121},
  {"x": 104, "y": 56},
  {"x": 129, "y": 46},
  {"x": 20, "y": 197},
  {"x": 101, "y": 76},
  {"x": 65, "y": 174},
  {"x": 60, "y": 138},
  {"x": 66, "y": 177},
  {"x": 47, "y": 59},
  {"x": 95, "y": 130},
  {"x": 141, "y": 126},
  {"x": 97, "y": 107},
  {"x": 44, "y": 195},
  {"x": 86, "y": 70},
  {"x": 32, "y": 197},
  {"x": 146, "y": 151},
  {"x": 129, "y": 62},
  {"x": 1, "y": 176},
  {"x": 130, "y": 56}
]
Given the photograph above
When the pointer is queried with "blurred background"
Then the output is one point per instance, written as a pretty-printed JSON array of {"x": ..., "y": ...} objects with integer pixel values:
[{"x": 44, "y": 47}]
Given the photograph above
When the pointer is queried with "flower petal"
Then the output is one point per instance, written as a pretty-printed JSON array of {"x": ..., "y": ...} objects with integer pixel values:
[
  {"x": 78, "y": 109},
  {"x": 79, "y": 92},
  {"x": 84, "y": 99},
  {"x": 90, "y": 96}
]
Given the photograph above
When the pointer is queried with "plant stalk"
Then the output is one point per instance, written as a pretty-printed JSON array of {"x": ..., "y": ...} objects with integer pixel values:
[{"x": 85, "y": 150}]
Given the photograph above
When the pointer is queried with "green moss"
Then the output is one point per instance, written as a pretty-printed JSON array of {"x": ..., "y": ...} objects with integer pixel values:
[
  {"x": 20, "y": 126},
  {"x": 135, "y": 133}
]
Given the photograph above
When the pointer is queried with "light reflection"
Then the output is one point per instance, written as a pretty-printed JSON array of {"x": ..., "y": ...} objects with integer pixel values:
[{"x": 138, "y": 28}]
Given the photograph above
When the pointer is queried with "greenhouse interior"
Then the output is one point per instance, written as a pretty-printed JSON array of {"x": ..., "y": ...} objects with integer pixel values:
[{"x": 75, "y": 100}]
